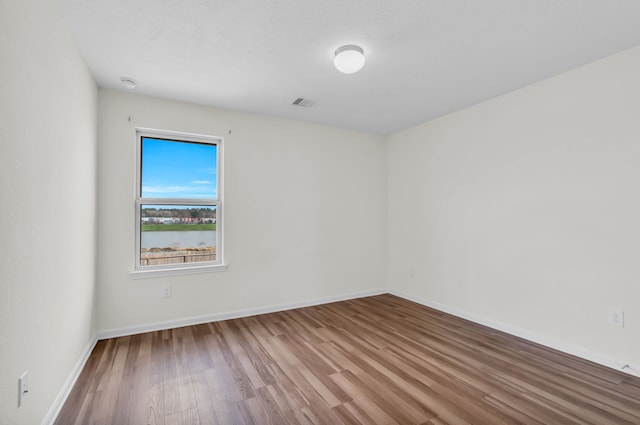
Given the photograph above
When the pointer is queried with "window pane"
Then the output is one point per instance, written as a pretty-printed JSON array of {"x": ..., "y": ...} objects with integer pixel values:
[
  {"x": 173, "y": 169},
  {"x": 172, "y": 234}
]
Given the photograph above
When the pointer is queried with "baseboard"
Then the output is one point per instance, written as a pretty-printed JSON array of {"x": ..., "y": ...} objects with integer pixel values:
[
  {"x": 529, "y": 336},
  {"x": 170, "y": 324},
  {"x": 131, "y": 330},
  {"x": 512, "y": 330},
  {"x": 55, "y": 408}
]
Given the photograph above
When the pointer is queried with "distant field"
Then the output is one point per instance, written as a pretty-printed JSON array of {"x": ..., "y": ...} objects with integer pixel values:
[{"x": 176, "y": 227}]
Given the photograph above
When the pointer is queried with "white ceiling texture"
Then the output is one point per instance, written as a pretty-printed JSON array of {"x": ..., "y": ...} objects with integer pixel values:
[{"x": 425, "y": 58}]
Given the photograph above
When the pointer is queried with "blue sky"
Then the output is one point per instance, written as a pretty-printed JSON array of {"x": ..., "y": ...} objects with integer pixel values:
[{"x": 178, "y": 170}]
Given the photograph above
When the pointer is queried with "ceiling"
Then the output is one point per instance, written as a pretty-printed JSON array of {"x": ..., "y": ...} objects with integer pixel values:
[{"x": 425, "y": 58}]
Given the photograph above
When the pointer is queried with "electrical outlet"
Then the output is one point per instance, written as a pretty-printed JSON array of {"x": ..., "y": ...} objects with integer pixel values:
[
  {"x": 23, "y": 388},
  {"x": 166, "y": 291},
  {"x": 616, "y": 318}
]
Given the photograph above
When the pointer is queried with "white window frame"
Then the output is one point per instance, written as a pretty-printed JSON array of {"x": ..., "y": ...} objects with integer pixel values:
[{"x": 140, "y": 271}]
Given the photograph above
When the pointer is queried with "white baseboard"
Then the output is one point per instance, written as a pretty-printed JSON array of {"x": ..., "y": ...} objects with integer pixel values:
[
  {"x": 55, "y": 408},
  {"x": 170, "y": 324},
  {"x": 529, "y": 336},
  {"x": 512, "y": 330},
  {"x": 131, "y": 330}
]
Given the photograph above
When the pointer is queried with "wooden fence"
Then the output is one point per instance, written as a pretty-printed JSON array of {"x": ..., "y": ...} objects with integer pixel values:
[{"x": 175, "y": 257}]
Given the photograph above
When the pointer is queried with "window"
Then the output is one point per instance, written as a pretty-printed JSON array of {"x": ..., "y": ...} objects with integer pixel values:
[{"x": 178, "y": 202}]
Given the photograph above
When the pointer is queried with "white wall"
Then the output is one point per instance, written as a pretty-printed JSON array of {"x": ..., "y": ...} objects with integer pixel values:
[
  {"x": 305, "y": 213},
  {"x": 48, "y": 123},
  {"x": 524, "y": 211}
]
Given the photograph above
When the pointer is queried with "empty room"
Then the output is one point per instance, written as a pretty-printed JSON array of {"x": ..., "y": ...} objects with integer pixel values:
[{"x": 332, "y": 212}]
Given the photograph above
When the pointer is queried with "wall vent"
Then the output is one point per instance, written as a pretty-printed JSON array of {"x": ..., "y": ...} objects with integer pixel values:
[{"x": 304, "y": 103}]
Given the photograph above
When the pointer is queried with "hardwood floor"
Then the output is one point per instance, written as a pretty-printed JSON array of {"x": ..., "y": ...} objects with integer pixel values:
[{"x": 376, "y": 360}]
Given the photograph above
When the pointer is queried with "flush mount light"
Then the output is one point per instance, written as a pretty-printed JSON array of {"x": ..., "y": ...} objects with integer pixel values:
[
  {"x": 129, "y": 83},
  {"x": 349, "y": 59}
]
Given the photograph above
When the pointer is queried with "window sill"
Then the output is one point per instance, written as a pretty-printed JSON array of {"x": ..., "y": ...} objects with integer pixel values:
[{"x": 143, "y": 274}]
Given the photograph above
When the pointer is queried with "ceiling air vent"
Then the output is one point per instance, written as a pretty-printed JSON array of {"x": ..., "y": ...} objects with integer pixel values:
[{"x": 302, "y": 102}]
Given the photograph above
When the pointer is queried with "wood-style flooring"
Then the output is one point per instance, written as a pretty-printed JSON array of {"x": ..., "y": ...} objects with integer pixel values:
[{"x": 375, "y": 360}]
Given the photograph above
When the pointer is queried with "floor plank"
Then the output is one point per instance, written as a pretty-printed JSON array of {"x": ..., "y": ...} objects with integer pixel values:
[{"x": 376, "y": 360}]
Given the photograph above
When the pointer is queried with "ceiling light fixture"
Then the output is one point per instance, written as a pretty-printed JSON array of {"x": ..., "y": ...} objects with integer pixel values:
[
  {"x": 349, "y": 59},
  {"x": 129, "y": 83}
]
